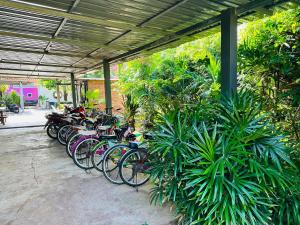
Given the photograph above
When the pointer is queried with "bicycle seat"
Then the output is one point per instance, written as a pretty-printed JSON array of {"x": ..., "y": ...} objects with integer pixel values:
[
  {"x": 87, "y": 132},
  {"x": 133, "y": 144},
  {"x": 108, "y": 137},
  {"x": 103, "y": 128}
]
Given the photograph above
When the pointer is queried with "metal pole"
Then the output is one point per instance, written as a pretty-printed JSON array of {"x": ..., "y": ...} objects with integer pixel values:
[
  {"x": 21, "y": 97},
  {"x": 85, "y": 90},
  {"x": 228, "y": 52},
  {"x": 57, "y": 94},
  {"x": 107, "y": 84},
  {"x": 78, "y": 93},
  {"x": 73, "y": 90}
]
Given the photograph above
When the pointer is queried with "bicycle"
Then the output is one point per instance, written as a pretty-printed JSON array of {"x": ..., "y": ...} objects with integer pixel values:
[
  {"x": 112, "y": 157},
  {"x": 134, "y": 165}
]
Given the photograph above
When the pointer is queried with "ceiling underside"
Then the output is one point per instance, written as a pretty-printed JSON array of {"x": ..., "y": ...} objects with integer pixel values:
[{"x": 52, "y": 38}]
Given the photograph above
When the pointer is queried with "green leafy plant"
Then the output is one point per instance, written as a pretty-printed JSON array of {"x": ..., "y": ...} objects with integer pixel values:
[
  {"x": 131, "y": 109},
  {"x": 230, "y": 169},
  {"x": 15, "y": 98},
  {"x": 93, "y": 98},
  {"x": 3, "y": 88}
]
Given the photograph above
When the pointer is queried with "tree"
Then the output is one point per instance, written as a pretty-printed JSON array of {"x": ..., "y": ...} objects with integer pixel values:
[{"x": 3, "y": 88}]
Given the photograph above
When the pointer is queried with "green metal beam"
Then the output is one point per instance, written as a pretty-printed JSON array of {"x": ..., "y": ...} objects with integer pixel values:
[{"x": 107, "y": 84}]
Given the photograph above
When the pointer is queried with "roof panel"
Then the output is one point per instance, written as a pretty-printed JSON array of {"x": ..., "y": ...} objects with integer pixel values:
[
  {"x": 25, "y": 22},
  {"x": 83, "y": 32},
  {"x": 58, "y": 4}
]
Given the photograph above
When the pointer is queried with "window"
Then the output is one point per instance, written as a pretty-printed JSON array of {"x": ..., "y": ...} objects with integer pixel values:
[{"x": 29, "y": 95}]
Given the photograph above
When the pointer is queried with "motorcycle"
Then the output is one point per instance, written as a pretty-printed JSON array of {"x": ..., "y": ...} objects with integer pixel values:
[{"x": 57, "y": 120}]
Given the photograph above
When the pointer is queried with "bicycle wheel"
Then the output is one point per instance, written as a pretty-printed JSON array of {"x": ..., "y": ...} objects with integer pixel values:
[
  {"x": 133, "y": 167},
  {"x": 110, "y": 164},
  {"x": 97, "y": 155},
  {"x": 61, "y": 134},
  {"x": 70, "y": 133},
  {"x": 70, "y": 144},
  {"x": 52, "y": 131},
  {"x": 82, "y": 153}
]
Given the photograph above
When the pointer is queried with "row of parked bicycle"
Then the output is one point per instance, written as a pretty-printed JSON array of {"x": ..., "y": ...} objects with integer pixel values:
[{"x": 99, "y": 141}]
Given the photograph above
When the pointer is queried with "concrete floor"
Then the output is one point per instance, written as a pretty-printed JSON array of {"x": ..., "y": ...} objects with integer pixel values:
[
  {"x": 40, "y": 185},
  {"x": 30, "y": 117}
]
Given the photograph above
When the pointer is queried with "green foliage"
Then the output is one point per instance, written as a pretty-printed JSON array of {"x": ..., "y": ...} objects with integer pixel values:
[
  {"x": 229, "y": 169},
  {"x": 131, "y": 109},
  {"x": 3, "y": 88},
  {"x": 96, "y": 74},
  {"x": 42, "y": 99},
  {"x": 160, "y": 84},
  {"x": 11, "y": 98},
  {"x": 49, "y": 84},
  {"x": 15, "y": 98},
  {"x": 235, "y": 162},
  {"x": 270, "y": 64},
  {"x": 93, "y": 98}
]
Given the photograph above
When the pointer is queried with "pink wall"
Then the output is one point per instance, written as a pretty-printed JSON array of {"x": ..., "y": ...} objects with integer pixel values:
[{"x": 26, "y": 90}]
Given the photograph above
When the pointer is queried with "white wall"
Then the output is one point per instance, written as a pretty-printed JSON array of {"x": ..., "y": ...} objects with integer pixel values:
[{"x": 49, "y": 94}]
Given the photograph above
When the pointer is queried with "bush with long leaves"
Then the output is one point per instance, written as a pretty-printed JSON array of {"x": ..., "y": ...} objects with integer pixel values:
[{"x": 231, "y": 169}]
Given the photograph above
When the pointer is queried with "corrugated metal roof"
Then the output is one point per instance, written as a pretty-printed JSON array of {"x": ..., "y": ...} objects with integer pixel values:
[{"x": 64, "y": 36}]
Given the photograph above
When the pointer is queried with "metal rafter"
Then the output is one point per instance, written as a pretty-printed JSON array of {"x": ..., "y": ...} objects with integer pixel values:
[
  {"x": 46, "y": 53},
  {"x": 62, "y": 23},
  {"x": 34, "y": 71},
  {"x": 42, "y": 64},
  {"x": 78, "y": 42},
  {"x": 24, "y": 75}
]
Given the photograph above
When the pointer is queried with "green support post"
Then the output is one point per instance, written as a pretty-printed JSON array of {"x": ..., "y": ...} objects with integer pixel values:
[
  {"x": 73, "y": 90},
  {"x": 107, "y": 85},
  {"x": 228, "y": 52}
]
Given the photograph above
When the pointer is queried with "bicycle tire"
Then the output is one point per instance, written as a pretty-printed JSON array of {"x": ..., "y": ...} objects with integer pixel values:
[
  {"x": 61, "y": 133},
  {"x": 52, "y": 131},
  {"x": 138, "y": 165},
  {"x": 107, "y": 172},
  {"x": 70, "y": 142},
  {"x": 96, "y": 155},
  {"x": 76, "y": 153}
]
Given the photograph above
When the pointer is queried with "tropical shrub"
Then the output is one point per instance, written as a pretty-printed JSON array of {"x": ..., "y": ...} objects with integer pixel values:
[
  {"x": 232, "y": 168},
  {"x": 11, "y": 98},
  {"x": 269, "y": 64},
  {"x": 170, "y": 83},
  {"x": 3, "y": 88},
  {"x": 93, "y": 98},
  {"x": 130, "y": 109}
]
